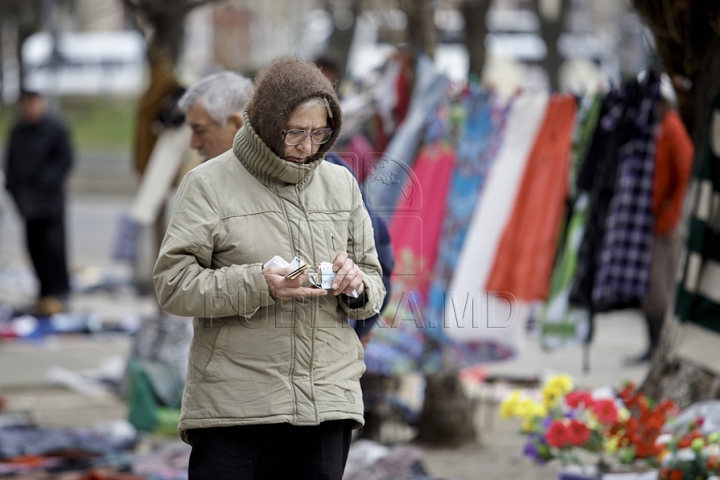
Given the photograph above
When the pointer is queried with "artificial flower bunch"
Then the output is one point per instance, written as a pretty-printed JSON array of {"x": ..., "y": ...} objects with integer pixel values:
[
  {"x": 690, "y": 455},
  {"x": 617, "y": 429},
  {"x": 637, "y": 436}
]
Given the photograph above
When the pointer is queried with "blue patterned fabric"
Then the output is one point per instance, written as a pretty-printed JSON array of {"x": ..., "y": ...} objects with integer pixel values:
[
  {"x": 478, "y": 145},
  {"x": 420, "y": 344},
  {"x": 477, "y": 148}
]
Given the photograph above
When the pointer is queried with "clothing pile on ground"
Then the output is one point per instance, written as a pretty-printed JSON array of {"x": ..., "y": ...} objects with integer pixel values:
[
  {"x": 17, "y": 324},
  {"x": 368, "y": 460},
  {"x": 109, "y": 450},
  {"x": 156, "y": 373}
]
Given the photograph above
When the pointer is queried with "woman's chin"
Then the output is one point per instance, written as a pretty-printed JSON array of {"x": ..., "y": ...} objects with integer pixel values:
[{"x": 296, "y": 160}]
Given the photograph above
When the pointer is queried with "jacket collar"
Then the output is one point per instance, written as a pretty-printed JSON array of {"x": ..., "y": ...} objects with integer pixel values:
[{"x": 262, "y": 162}]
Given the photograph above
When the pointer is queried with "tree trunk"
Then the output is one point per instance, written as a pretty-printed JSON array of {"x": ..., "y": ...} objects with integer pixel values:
[
  {"x": 677, "y": 378},
  {"x": 28, "y": 22},
  {"x": 340, "y": 39},
  {"x": 421, "y": 33},
  {"x": 447, "y": 415},
  {"x": 168, "y": 34},
  {"x": 695, "y": 109},
  {"x": 2, "y": 64},
  {"x": 164, "y": 25},
  {"x": 551, "y": 29},
  {"x": 474, "y": 13}
]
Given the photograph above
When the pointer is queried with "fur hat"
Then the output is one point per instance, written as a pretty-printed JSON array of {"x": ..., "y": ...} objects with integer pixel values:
[{"x": 279, "y": 88}]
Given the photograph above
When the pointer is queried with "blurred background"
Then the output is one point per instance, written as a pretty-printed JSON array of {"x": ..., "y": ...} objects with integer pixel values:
[
  {"x": 91, "y": 56},
  {"x": 97, "y": 61}
]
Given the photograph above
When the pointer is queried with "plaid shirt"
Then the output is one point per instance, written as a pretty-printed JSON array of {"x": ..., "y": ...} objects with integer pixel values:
[{"x": 623, "y": 270}]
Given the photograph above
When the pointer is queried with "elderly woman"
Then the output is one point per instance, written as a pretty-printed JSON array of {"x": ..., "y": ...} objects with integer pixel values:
[{"x": 273, "y": 385}]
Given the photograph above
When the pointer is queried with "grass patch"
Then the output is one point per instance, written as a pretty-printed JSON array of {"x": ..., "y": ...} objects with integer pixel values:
[{"x": 95, "y": 123}]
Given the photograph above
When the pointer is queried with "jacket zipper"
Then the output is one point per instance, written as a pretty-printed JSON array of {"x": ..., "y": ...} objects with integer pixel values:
[{"x": 313, "y": 318}]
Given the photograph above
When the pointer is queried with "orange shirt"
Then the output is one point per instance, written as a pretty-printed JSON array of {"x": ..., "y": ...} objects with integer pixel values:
[{"x": 673, "y": 164}]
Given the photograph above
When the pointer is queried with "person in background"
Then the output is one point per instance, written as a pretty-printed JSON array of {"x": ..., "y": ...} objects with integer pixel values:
[
  {"x": 273, "y": 384},
  {"x": 673, "y": 165},
  {"x": 37, "y": 161},
  {"x": 364, "y": 328},
  {"x": 213, "y": 109},
  {"x": 330, "y": 68}
]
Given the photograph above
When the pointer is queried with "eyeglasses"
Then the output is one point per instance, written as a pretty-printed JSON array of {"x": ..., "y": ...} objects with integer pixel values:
[{"x": 296, "y": 137}]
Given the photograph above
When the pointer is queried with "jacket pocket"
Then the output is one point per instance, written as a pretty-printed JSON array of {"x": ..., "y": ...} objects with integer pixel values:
[
  {"x": 332, "y": 243},
  {"x": 211, "y": 369}
]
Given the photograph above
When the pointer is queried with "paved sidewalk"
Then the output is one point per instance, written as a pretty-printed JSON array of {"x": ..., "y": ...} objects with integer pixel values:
[{"x": 24, "y": 367}]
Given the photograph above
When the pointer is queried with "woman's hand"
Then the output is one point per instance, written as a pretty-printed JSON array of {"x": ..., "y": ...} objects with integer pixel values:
[
  {"x": 282, "y": 288},
  {"x": 348, "y": 276}
]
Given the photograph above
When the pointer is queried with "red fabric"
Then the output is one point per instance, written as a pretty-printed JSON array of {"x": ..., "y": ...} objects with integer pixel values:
[
  {"x": 377, "y": 133},
  {"x": 524, "y": 260},
  {"x": 404, "y": 88},
  {"x": 673, "y": 164},
  {"x": 416, "y": 226}
]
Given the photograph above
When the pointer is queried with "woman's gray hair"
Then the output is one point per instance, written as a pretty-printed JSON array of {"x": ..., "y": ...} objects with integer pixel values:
[
  {"x": 220, "y": 94},
  {"x": 311, "y": 102}
]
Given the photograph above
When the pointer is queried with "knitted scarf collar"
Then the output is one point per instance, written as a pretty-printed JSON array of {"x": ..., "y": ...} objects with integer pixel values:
[{"x": 263, "y": 163}]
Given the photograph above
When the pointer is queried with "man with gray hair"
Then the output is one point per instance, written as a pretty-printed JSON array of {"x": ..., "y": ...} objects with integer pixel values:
[{"x": 213, "y": 109}]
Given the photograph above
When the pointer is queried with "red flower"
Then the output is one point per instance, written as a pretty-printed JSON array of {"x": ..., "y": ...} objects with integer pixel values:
[
  {"x": 654, "y": 424},
  {"x": 665, "y": 407},
  {"x": 579, "y": 433},
  {"x": 605, "y": 410},
  {"x": 684, "y": 442},
  {"x": 713, "y": 463},
  {"x": 558, "y": 435},
  {"x": 577, "y": 398},
  {"x": 632, "y": 424},
  {"x": 676, "y": 475},
  {"x": 627, "y": 391},
  {"x": 665, "y": 473}
]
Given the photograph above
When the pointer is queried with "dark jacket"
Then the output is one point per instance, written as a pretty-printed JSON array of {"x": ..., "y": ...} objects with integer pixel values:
[
  {"x": 382, "y": 245},
  {"x": 37, "y": 161}
]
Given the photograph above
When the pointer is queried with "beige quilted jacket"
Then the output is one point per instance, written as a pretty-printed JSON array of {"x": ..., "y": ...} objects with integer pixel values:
[{"x": 255, "y": 360}]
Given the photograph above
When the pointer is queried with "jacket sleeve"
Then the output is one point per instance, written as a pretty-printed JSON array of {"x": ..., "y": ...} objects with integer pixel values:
[
  {"x": 59, "y": 159},
  {"x": 185, "y": 282},
  {"x": 385, "y": 253},
  {"x": 361, "y": 249},
  {"x": 681, "y": 156},
  {"x": 9, "y": 159}
]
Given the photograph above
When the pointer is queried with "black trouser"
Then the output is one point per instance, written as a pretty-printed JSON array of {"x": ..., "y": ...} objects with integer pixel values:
[
  {"x": 275, "y": 451},
  {"x": 46, "y": 245}
]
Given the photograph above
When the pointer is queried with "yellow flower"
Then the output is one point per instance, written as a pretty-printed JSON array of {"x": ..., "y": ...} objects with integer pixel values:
[
  {"x": 555, "y": 389},
  {"x": 562, "y": 382},
  {"x": 610, "y": 445},
  {"x": 509, "y": 405},
  {"x": 524, "y": 408},
  {"x": 623, "y": 414},
  {"x": 551, "y": 395},
  {"x": 539, "y": 410},
  {"x": 591, "y": 421},
  {"x": 528, "y": 424}
]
